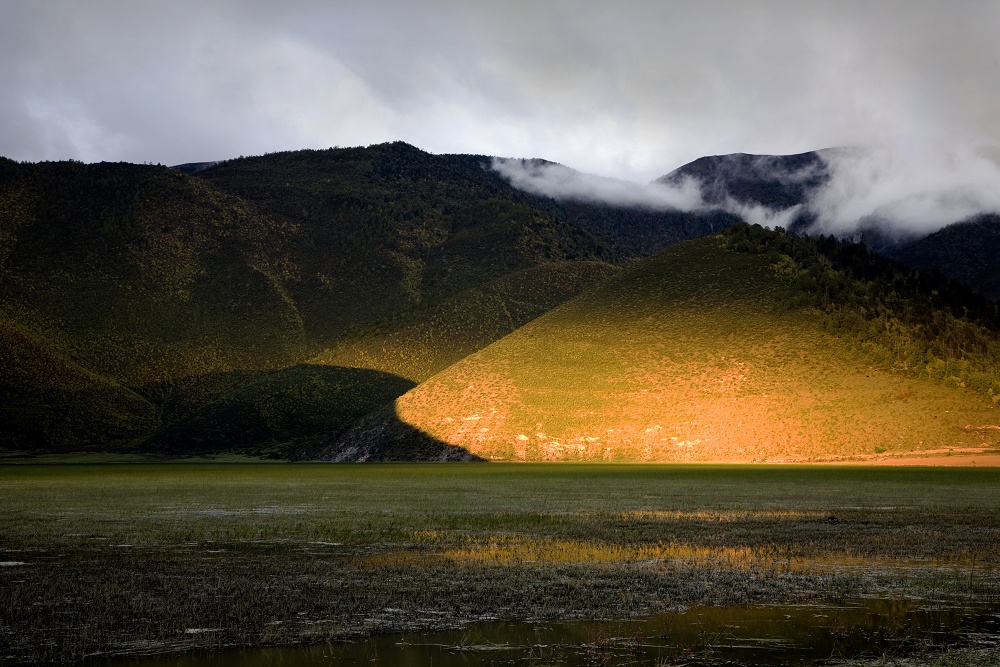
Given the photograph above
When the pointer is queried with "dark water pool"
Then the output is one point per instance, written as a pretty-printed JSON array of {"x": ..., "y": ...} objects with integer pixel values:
[{"x": 746, "y": 635}]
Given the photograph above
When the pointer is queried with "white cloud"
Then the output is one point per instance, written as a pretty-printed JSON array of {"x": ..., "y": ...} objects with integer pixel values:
[
  {"x": 910, "y": 188},
  {"x": 560, "y": 182},
  {"x": 628, "y": 90}
]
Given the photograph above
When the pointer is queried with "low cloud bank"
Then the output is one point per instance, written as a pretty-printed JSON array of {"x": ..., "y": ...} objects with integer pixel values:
[
  {"x": 902, "y": 190},
  {"x": 549, "y": 179},
  {"x": 905, "y": 190}
]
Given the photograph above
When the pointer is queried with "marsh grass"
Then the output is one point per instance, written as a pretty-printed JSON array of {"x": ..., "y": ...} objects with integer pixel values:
[
  {"x": 144, "y": 558},
  {"x": 963, "y": 657}
]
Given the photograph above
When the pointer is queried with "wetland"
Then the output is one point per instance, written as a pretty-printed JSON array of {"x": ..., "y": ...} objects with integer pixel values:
[{"x": 108, "y": 562}]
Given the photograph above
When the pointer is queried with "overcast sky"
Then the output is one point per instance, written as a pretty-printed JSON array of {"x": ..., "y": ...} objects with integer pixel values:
[{"x": 622, "y": 89}]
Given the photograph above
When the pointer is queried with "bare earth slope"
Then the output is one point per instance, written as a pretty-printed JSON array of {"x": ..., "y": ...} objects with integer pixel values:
[{"x": 693, "y": 355}]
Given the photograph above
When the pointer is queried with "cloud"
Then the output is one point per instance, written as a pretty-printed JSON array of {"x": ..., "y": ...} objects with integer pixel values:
[
  {"x": 628, "y": 90},
  {"x": 559, "y": 182},
  {"x": 908, "y": 189}
]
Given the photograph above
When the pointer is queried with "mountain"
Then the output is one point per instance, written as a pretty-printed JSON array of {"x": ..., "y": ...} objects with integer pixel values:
[
  {"x": 966, "y": 250},
  {"x": 279, "y": 305},
  {"x": 745, "y": 346},
  {"x": 133, "y": 296},
  {"x": 773, "y": 181},
  {"x": 388, "y": 227}
]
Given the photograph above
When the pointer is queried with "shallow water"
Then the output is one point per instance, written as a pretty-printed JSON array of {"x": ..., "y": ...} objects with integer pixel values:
[{"x": 745, "y": 635}]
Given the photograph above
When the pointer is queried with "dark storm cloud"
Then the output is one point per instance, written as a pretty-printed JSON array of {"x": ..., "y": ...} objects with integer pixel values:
[{"x": 630, "y": 90}]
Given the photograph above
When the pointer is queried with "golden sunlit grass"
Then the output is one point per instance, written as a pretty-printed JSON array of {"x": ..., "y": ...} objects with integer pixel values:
[
  {"x": 518, "y": 551},
  {"x": 690, "y": 356}
]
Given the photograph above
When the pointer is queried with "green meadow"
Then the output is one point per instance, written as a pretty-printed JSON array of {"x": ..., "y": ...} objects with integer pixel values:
[{"x": 129, "y": 558}]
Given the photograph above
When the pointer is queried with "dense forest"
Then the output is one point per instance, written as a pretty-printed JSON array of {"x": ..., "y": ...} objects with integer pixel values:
[{"x": 910, "y": 319}]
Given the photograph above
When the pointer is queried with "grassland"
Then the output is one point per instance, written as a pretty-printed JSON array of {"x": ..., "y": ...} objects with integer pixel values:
[
  {"x": 145, "y": 558},
  {"x": 700, "y": 353}
]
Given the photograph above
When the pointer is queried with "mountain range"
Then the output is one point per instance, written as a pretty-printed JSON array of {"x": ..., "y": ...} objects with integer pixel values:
[{"x": 346, "y": 304}]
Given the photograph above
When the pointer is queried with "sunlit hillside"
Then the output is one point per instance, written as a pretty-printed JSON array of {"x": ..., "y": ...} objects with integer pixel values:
[{"x": 723, "y": 349}]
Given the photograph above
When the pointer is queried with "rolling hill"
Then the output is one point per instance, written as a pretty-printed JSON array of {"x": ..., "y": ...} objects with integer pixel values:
[{"x": 745, "y": 346}]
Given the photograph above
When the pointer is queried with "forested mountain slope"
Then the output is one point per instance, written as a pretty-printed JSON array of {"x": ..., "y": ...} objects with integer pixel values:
[{"x": 133, "y": 296}]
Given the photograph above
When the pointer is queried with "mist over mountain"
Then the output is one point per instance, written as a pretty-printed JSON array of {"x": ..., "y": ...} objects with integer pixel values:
[
  {"x": 896, "y": 201},
  {"x": 550, "y": 179},
  {"x": 888, "y": 194}
]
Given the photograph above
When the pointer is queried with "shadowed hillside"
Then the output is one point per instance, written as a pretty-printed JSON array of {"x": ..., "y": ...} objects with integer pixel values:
[
  {"x": 968, "y": 251},
  {"x": 747, "y": 346},
  {"x": 283, "y": 413},
  {"x": 133, "y": 296},
  {"x": 115, "y": 276}
]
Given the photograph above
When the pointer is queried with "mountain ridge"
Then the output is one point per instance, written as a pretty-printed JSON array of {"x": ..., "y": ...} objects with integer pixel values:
[{"x": 246, "y": 305}]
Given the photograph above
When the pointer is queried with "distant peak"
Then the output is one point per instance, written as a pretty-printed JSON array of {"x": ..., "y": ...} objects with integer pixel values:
[{"x": 194, "y": 167}]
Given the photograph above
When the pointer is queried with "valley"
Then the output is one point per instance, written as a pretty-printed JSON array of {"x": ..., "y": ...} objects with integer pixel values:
[{"x": 224, "y": 389}]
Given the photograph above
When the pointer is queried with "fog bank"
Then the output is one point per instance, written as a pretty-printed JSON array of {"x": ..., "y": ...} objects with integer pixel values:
[{"x": 904, "y": 190}]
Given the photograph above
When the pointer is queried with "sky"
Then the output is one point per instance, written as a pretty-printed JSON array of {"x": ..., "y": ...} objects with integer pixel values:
[{"x": 629, "y": 90}]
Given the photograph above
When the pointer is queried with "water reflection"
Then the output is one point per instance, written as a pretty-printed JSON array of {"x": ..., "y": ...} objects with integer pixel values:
[{"x": 749, "y": 635}]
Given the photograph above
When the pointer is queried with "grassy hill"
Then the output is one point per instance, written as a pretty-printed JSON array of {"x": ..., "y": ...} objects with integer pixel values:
[{"x": 745, "y": 346}]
